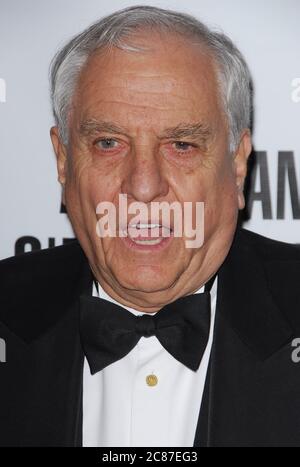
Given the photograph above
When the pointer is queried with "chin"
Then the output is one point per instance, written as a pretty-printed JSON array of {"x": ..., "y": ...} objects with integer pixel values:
[{"x": 147, "y": 280}]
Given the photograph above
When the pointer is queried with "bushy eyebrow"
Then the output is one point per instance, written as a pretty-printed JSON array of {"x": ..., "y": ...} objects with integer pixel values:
[
  {"x": 92, "y": 126},
  {"x": 196, "y": 131}
]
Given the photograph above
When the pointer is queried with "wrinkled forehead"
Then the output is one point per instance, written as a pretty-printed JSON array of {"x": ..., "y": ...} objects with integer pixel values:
[{"x": 172, "y": 77}]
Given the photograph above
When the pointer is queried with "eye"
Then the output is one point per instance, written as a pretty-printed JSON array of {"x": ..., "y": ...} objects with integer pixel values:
[
  {"x": 107, "y": 143},
  {"x": 183, "y": 146}
]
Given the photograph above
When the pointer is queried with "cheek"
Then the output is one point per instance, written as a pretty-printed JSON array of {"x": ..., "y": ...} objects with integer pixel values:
[
  {"x": 91, "y": 186},
  {"x": 220, "y": 196},
  {"x": 223, "y": 182},
  {"x": 226, "y": 206}
]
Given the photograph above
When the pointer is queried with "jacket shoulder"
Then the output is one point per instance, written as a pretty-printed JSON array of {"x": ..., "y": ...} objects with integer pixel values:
[
  {"x": 47, "y": 264},
  {"x": 38, "y": 287},
  {"x": 270, "y": 249},
  {"x": 281, "y": 264}
]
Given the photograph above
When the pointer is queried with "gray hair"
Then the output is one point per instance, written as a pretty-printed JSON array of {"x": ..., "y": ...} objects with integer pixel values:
[{"x": 112, "y": 31}]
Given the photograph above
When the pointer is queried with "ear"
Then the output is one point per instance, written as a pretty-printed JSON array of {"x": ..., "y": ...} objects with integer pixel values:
[
  {"x": 61, "y": 158},
  {"x": 240, "y": 162}
]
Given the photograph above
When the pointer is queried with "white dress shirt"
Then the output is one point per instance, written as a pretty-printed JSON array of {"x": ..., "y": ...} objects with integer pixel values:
[{"x": 121, "y": 410}]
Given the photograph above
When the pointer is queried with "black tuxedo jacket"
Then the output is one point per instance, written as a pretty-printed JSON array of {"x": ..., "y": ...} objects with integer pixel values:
[{"x": 252, "y": 391}]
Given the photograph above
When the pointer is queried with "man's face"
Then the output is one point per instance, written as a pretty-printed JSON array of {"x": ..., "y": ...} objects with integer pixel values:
[{"x": 151, "y": 125}]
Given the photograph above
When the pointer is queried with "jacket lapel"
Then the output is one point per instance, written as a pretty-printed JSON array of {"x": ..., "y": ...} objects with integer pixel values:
[
  {"x": 47, "y": 364},
  {"x": 250, "y": 357}
]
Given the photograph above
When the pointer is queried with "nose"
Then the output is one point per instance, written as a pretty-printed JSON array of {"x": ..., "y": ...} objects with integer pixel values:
[{"x": 144, "y": 179}]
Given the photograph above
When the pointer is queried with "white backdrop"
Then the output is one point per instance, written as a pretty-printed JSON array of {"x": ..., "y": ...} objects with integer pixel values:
[{"x": 268, "y": 34}]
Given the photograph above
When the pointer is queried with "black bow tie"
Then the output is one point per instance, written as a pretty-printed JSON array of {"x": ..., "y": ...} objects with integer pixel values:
[{"x": 109, "y": 331}]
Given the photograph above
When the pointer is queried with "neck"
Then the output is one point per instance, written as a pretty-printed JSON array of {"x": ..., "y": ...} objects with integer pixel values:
[{"x": 149, "y": 302}]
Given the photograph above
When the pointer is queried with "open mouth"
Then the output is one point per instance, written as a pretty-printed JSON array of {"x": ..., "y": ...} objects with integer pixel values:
[{"x": 148, "y": 233}]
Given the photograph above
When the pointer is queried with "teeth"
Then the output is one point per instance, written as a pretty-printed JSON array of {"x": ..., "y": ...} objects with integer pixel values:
[
  {"x": 145, "y": 226},
  {"x": 147, "y": 242}
]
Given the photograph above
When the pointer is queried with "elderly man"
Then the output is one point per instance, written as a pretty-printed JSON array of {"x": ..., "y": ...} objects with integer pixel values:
[{"x": 132, "y": 336}]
